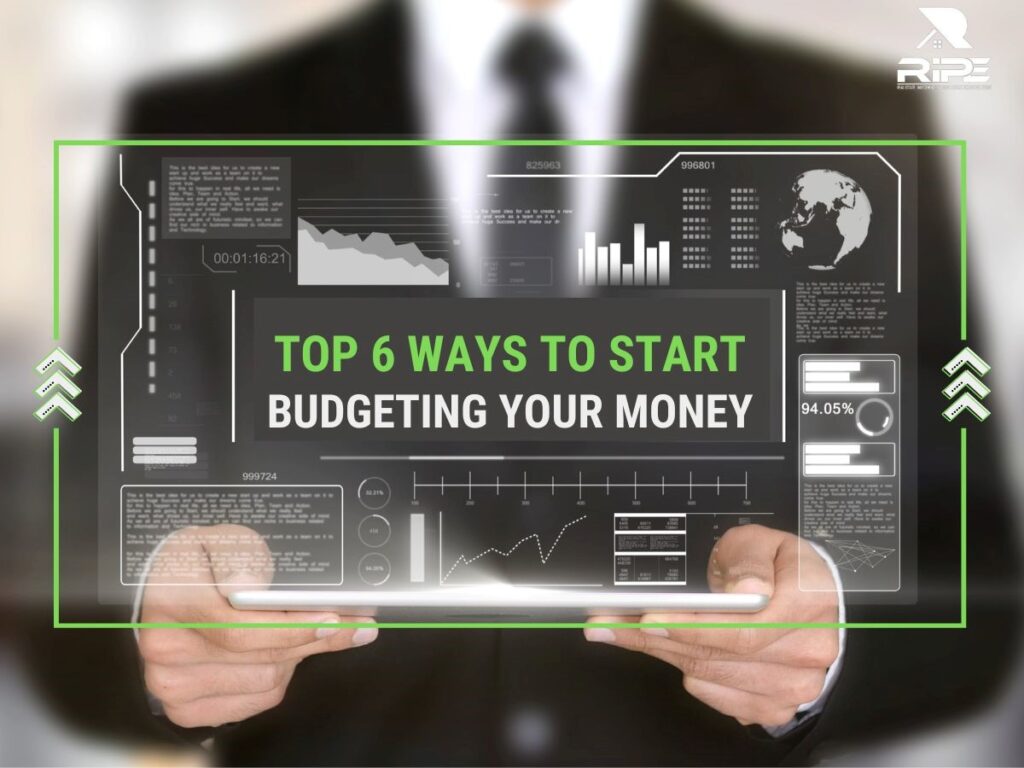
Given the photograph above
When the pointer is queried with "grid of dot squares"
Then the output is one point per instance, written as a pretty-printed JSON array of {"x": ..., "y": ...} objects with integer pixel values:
[
  {"x": 743, "y": 228},
  {"x": 696, "y": 228},
  {"x": 744, "y": 198},
  {"x": 696, "y": 199},
  {"x": 696, "y": 257},
  {"x": 743, "y": 257}
]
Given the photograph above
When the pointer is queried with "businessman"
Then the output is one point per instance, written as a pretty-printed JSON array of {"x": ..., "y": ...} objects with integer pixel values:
[{"x": 486, "y": 69}]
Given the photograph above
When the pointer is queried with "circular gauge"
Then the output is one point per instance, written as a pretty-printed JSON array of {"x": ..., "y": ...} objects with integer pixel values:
[
  {"x": 374, "y": 530},
  {"x": 874, "y": 417},
  {"x": 374, "y": 493},
  {"x": 374, "y": 569}
]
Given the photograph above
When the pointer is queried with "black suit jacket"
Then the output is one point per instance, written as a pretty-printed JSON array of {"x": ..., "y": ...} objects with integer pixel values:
[{"x": 455, "y": 697}]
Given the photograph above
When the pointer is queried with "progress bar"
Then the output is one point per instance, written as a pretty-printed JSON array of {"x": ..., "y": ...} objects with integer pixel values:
[{"x": 533, "y": 457}]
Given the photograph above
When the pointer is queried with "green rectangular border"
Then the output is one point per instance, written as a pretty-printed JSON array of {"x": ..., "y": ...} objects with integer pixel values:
[{"x": 962, "y": 144}]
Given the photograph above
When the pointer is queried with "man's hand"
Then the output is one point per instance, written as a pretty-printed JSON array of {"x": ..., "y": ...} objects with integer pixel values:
[
  {"x": 754, "y": 675},
  {"x": 223, "y": 675}
]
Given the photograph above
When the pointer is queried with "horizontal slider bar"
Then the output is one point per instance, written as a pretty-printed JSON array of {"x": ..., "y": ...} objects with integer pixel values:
[
  {"x": 645, "y": 553},
  {"x": 644, "y": 531},
  {"x": 577, "y": 484},
  {"x": 559, "y": 457},
  {"x": 163, "y": 459},
  {"x": 852, "y": 469},
  {"x": 844, "y": 388},
  {"x": 164, "y": 441},
  {"x": 650, "y": 514},
  {"x": 848, "y": 448},
  {"x": 482, "y": 457},
  {"x": 164, "y": 450},
  {"x": 650, "y": 583},
  {"x": 827, "y": 459},
  {"x": 839, "y": 376},
  {"x": 831, "y": 365}
]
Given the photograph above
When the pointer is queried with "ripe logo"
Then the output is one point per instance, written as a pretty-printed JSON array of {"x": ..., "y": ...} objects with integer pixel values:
[
  {"x": 949, "y": 26},
  {"x": 948, "y": 23}
]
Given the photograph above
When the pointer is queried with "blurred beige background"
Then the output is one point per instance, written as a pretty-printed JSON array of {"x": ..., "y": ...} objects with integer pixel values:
[{"x": 66, "y": 64}]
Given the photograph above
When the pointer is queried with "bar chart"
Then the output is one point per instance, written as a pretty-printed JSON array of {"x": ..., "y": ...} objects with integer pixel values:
[
  {"x": 602, "y": 264},
  {"x": 848, "y": 376},
  {"x": 849, "y": 459}
]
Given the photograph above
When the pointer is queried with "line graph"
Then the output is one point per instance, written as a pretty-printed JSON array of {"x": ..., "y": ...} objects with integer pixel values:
[
  {"x": 335, "y": 254},
  {"x": 462, "y": 560}
]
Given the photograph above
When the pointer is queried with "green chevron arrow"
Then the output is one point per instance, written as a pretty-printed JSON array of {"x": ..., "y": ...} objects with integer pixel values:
[
  {"x": 966, "y": 356},
  {"x": 58, "y": 381},
  {"x": 966, "y": 381},
  {"x": 57, "y": 403},
  {"x": 966, "y": 402},
  {"x": 58, "y": 357}
]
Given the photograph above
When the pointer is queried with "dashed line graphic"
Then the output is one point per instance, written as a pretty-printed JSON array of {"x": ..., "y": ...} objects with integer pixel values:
[{"x": 461, "y": 560}]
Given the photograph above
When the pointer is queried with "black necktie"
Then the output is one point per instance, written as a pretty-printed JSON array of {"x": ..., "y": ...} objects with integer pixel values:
[{"x": 528, "y": 65}]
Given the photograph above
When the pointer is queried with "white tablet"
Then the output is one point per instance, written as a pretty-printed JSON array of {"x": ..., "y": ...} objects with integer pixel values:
[{"x": 496, "y": 600}]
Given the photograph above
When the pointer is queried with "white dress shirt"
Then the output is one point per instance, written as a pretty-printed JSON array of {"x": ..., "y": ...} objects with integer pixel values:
[{"x": 461, "y": 95}]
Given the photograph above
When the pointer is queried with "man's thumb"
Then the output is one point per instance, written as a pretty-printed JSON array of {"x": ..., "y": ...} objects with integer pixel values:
[
  {"x": 238, "y": 557},
  {"x": 743, "y": 561}
]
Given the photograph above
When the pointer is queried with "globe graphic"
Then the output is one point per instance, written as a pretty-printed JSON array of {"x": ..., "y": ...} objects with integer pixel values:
[{"x": 830, "y": 218}]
